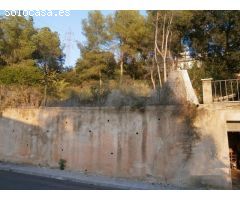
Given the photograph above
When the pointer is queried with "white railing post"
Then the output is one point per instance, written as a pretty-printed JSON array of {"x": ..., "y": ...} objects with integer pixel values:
[{"x": 207, "y": 90}]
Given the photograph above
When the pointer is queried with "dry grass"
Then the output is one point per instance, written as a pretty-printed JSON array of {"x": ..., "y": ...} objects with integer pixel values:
[{"x": 134, "y": 93}]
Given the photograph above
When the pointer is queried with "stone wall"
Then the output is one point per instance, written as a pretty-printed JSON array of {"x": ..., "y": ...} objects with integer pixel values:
[{"x": 180, "y": 145}]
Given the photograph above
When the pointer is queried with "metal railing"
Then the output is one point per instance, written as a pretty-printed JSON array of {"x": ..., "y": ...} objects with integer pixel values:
[{"x": 226, "y": 90}]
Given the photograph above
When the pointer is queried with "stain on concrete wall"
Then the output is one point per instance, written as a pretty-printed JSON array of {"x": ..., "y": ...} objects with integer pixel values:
[{"x": 178, "y": 145}]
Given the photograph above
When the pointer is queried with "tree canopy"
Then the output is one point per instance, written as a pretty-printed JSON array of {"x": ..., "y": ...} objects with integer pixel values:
[
  {"x": 214, "y": 37},
  {"x": 24, "y": 50}
]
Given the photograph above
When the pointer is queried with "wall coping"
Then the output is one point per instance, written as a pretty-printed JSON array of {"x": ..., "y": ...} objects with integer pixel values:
[{"x": 124, "y": 108}]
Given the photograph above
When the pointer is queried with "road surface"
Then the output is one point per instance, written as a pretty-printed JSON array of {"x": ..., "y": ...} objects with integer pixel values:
[{"x": 17, "y": 181}]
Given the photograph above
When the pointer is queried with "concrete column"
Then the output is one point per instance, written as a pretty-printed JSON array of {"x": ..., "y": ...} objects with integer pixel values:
[{"x": 207, "y": 90}]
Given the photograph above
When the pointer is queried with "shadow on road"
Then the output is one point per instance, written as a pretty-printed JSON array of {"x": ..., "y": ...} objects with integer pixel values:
[{"x": 17, "y": 181}]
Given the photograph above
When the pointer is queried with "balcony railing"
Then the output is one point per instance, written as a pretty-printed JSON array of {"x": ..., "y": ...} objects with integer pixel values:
[{"x": 226, "y": 90}]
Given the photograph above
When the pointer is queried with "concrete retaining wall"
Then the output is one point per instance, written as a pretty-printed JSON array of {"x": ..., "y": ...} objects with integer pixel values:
[{"x": 157, "y": 144}]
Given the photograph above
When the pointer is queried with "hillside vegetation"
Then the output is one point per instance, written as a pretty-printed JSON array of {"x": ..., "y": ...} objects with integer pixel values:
[{"x": 125, "y": 59}]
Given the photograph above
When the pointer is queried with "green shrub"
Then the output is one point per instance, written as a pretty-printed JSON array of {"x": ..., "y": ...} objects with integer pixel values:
[
  {"x": 62, "y": 164},
  {"x": 20, "y": 75}
]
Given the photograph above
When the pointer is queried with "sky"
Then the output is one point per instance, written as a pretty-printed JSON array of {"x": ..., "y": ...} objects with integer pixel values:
[{"x": 69, "y": 29}]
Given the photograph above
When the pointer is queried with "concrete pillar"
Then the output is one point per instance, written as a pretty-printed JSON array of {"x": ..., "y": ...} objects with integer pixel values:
[{"x": 207, "y": 90}]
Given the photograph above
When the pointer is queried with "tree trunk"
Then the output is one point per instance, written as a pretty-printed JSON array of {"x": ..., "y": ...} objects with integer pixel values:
[
  {"x": 166, "y": 49},
  {"x": 158, "y": 68},
  {"x": 155, "y": 52},
  {"x": 45, "y": 85},
  {"x": 100, "y": 80},
  {"x": 45, "y": 95},
  {"x": 100, "y": 87},
  {"x": 164, "y": 70},
  {"x": 152, "y": 79},
  {"x": 165, "y": 39},
  {"x": 121, "y": 69}
]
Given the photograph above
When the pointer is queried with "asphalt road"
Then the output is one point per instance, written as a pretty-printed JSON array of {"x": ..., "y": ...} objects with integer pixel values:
[{"x": 17, "y": 181}]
